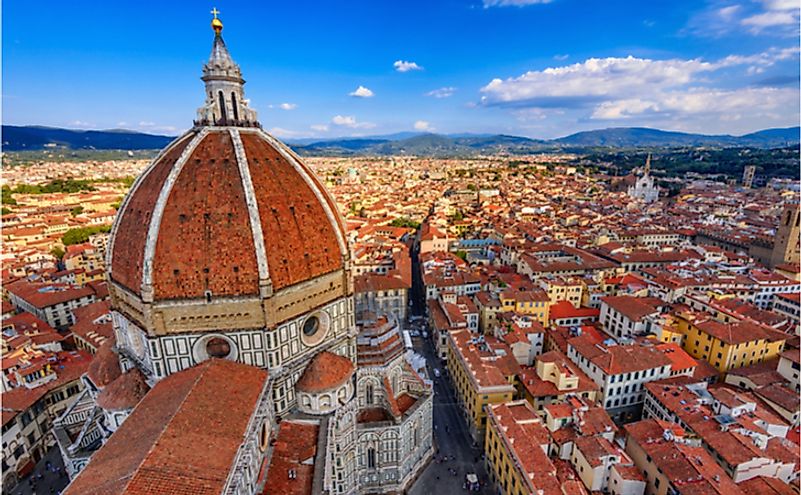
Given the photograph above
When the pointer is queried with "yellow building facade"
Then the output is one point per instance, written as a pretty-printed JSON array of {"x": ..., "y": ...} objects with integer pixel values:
[
  {"x": 727, "y": 346},
  {"x": 477, "y": 379},
  {"x": 519, "y": 470},
  {"x": 534, "y": 304},
  {"x": 502, "y": 466},
  {"x": 559, "y": 289}
]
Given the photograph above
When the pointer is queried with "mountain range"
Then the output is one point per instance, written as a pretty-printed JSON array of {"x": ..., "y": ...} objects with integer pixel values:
[{"x": 19, "y": 138}]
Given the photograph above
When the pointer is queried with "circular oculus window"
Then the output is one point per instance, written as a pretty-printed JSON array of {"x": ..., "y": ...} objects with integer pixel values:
[
  {"x": 214, "y": 346},
  {"x": 314, "y": 328}
]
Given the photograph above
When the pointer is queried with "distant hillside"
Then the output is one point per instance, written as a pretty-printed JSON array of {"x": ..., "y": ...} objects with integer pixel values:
[
  {"x": 16, "y": 138},
  {"x": 627, "y": 137},
  {"x": 33, "y": 138},
  {"x": 427, "y": 145}
]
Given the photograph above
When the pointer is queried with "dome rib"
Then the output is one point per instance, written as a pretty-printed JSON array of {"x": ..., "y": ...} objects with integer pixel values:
[
  {"x": 253, "y": 208},
  {"x": 319, "y": 191},
  {"x": 228, "y": 211},
  {"x": 136, "y": 211},
  {"x": 300, "y": 243},
  {"x": 205, "y": 240},
  {"x": 158, "y": 212}
]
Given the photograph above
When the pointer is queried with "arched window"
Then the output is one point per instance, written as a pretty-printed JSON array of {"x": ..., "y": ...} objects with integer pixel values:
[
  {"x": 233, "y": 106},
  {"x": 223, "y": 115},
  {"x": 415, "y": 436},
  {"x": 264, "y": 436},
  {"x": 369, "y": 394},
  {"x": 370, "y": 457}
]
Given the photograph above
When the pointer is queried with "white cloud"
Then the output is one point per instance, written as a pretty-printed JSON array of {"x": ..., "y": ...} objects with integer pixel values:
[
  {"x": 759, "y": 22},
  {"x": 319, "y": 127},
  {"x": 781, "y": 4},
  {"x": 146, "y": 126},
  {"x": 561, "y": 57},
  {"x": 728, "y": 12},
  {"x": 361, "y": 92},
  {"x": 765, "y": 17},
  {"x": 288, "y": 106},
  {"x": 344, "y": 120},
  {"x": 593, "y": 79},
  {"x": 700, "y": 105},
  {"x": 442, "y": 92},
  {"x": 781, "y": 15},
  {"x": 350, "y": 121},
  {"x": 404, "y": 66},
  {"x": 758, "y": 62},
  {"x": 512, "y": 3},
  {"x": 422, "y": 125},
  {"x": 672, "y": 92},
  {"x": 81, "y": 123}
]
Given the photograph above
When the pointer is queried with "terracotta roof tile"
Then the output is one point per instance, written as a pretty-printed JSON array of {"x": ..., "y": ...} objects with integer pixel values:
[
  {"x": 205, "y": 241},
  {"x": 295, "y": 446},
  {"x": 127, "y": 268},
  {"x": 105, "y": 367},
  {"x": 125, "y": 392},
  {"x": 299, "y": 241},
  {"x": 182, "y": 437}
]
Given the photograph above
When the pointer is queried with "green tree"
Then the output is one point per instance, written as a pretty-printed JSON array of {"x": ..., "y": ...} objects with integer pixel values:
[
  {"x": 76, "y": 211},
  {"x": 82, "y": 234},
  {"x": 55, "y": 186},
  {"x": 458, "y": 216},
  {"x": 7, "y": 199},
  {"x": 405, "y": 222},
  {"x": 58, "y": 252},
  {"x": 461, "y": 254}
]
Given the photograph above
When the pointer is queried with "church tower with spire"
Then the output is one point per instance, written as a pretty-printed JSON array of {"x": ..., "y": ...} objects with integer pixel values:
[
  {"x": 645, "y": 188},
  {"x": 225, "y": 103}
]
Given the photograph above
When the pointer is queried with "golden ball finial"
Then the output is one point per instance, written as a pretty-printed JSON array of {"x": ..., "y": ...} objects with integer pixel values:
[{"x": 216, "y": 24}]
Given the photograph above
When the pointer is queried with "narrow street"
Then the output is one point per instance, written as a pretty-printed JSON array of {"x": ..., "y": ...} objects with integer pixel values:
[
  {"x": 451, "y": 435},
  {"x": 42, "y": 480}
]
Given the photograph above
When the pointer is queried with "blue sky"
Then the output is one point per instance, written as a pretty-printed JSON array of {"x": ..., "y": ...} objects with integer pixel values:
[{"x": 321, "y": 69}]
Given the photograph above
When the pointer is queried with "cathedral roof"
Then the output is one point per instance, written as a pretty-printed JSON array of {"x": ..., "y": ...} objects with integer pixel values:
[
  {"x": 125, "y": 392},
  {"x": 326, "y": 371},
  {"x": 105, "y": 366},
  {"x": 225, "y": 210},
  {"x": 296, "y": 450},
  {"x": 183, "y": 436}
]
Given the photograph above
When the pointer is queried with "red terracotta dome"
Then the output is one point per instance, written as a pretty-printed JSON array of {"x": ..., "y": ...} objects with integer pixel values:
[
  {"x": 326, "y": 371},
  {"x": 223, "y": 211}
]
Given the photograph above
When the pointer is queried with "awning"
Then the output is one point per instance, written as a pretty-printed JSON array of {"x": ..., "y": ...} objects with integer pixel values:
[{"x": 25, "y": 468}]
